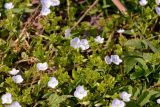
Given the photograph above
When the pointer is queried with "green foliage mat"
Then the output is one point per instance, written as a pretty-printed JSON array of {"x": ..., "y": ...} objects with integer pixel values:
[{"x": 27, "y": 38}]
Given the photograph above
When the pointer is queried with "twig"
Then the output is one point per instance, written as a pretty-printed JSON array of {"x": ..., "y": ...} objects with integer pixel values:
[
  {"x": 68, "y": 8},
  {"x": 81, "y": 18},
  {"x": 156, "y": 85},
  {"x": 28, "y": 23},
  {"x": 35, "y": 105},
  {"x": 120, "y": 6}
]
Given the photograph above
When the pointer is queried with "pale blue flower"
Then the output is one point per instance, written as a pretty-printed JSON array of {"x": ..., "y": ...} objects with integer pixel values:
[
  {"x": 67, "y": 33},
  {"x": 6, "y": 98},
  {"x": 13, "y": 71},
  {"x": 42, "y": 66},
  {"x": 115, "y": 59},
  {"x": 120, "y": 31},
  {"x": 108, "y": 60},
  {"x": 158, "y": 101},
  {"x": 80, "y": 92},
  {"x": 55, "y": 2},
  {"x": 46, "y": 3},
  {"x": 14, "y": 104},
  {"x": 53, "y": 82},
  {"x": 17, "y": 79},
  {"x": 8, "y": 5},
  {"x": 158, "y": 10},
  {"x": 143, "y": 2},
  {"x": 118, "y": 103},
  {"x": 75, "y": 42},
  {"x": 125, "y": 96},
  {"x": 45, "y": 11},
  {"x": 99, "y": 39},
  {"x": 84, "y": 44}
]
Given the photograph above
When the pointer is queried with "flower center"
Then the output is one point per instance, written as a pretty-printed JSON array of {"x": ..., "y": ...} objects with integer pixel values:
[
  {"x": 118, "y": 105},
  {"x": 81, "y": 92}
]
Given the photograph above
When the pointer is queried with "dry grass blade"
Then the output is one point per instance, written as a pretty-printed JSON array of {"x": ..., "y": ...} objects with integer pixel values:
[
  {"x": 120, "y": 6},
  {"x": 81, "y": 18}
]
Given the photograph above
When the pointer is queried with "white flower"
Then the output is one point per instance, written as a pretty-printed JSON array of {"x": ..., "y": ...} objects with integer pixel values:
[
  {"x": 115, "y": 59},
  {"x": 158, "y": 10},
  {"x": 84, "y": 44},
  {"x": 75, "y": 42},
  {"x": 158, "y": 101},
  {"x": 158, "y": 2},
  {"x": 80, "y": 92},
  {"x": 99, "y": 39},
  {"x": 42, "y": 66},
  {"x": 143, "y": 2},
  {"x": 108, "y": 60},
  {"x": 46, "y": 3},
  {"x": 8, "y": 5},
  {"x": 117, "y": 103},
  {"x": 55, "y": 2},
  {"x": 6, "y": 98},
  {"x": 120, "y": 31},
  {"x": 67, "y": 33},
  {"x": 17, "y": 79},
  {"x": 13, "y": 71},
  {"x": 125, "y": 96},
  {"x": 45, "y": 11},
  {"x": 52, "y": 82},
  {"x": 14, "y": 104}
]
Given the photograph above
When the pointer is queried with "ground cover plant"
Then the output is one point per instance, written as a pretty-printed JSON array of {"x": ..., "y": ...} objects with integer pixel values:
[{"x": 79, "y": 53}]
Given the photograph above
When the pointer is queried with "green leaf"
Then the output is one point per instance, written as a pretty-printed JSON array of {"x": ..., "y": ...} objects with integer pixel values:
[
  {"x": 18, "y": 10},
  {"x": 54, "y": 100},
  {"x": 75, "y": 74},
  {"x": 144, "y": 66},
  {"x": 136, "y": 92},
  {"x": 145, "y": 97},
  {"x": 129, "y": 63},
  {"x": 139, "y": 72},
  {"x": 28, "y": 10},
  {"x": 137, "y": 43},
  {"x": 132, "y": 104}
]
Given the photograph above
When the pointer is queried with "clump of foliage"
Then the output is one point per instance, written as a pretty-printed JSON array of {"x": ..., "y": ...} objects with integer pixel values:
[{"x": 26, "y": 38}]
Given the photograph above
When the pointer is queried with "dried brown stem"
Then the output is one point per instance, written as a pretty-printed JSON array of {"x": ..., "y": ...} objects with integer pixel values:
[
  {"x": 120, "y": 6},
  {"x": 27, "y": 24},
  {"x": 81, "y": 18}
]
